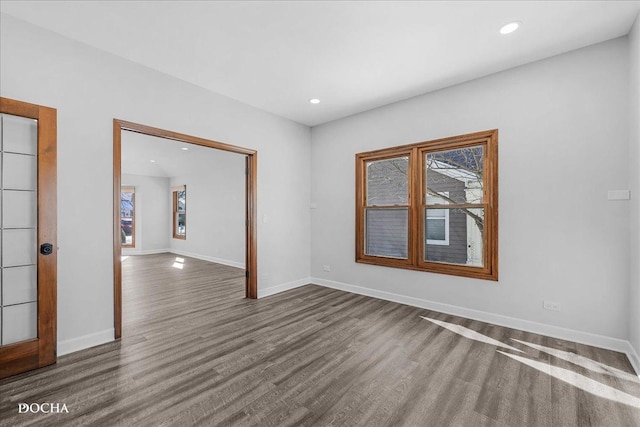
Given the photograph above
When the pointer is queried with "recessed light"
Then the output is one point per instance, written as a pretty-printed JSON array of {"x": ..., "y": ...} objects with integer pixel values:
[
  {"x": 314, "y": 101},
  {"x": 152, "y": 161},
  {"x": 184, "y": 148},
  {"x": 509, "y": 28}
]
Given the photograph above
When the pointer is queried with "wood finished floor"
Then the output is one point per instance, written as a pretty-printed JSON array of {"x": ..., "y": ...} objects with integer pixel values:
[{"x": 195, "y": 352}]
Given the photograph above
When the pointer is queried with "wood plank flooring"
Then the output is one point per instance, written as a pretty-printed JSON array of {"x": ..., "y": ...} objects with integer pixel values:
[{"x": 195, "y": 352}]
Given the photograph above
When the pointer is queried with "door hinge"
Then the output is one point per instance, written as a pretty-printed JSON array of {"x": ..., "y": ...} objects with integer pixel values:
[
  {"x": 246, "y": 171},
  {"x": 246, "y": 274}
]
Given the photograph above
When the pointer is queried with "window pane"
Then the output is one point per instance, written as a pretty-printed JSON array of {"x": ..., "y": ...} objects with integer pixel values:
[
  {"x": 126, "y": 205},
  {"x": 182, "y": 200},
  {"x": 387, "y": 182},
  {"x": 454, "y": 176},
  {"x": 436, "y": 229},
  {"x": 181, "y": 228},
  {"x": 386, "y": 232},
  {"x": 463, "y": 232},
  {"x": 127, "y": 214}
]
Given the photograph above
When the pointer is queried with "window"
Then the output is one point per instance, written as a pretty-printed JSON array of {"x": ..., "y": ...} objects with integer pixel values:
[
  {"x": 437, "y": 222},
  {"x": 128, "y": 217},
  {"x": 431, "y": 206},
  {"x": 179, "y": 212}
]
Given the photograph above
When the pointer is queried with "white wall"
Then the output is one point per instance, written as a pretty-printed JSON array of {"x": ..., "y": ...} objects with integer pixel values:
[
  {"x": 634, "y": 169},
  {"x": 152, "y": 207},
  {"x": 215, "y": 208},
  {"x": 563, "y": 143},
  {"x": 90, "y": 88}
]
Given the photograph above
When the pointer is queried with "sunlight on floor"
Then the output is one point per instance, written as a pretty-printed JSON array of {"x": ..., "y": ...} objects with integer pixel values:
[
  {"x": 471, "y": 334},
  {"x": 580, "y": 381},
  {"x": 570, "y": 377},
  {"x": 179, "y": 263},
  {"x": 585, "y": 362}
]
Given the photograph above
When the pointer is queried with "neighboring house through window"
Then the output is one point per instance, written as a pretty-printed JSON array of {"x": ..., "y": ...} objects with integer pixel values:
[
  {"x": 437, "y": 222},
  {"x": 430, "y": 206}
]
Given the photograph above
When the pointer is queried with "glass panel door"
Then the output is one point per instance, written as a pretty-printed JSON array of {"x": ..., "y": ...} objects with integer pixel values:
[
  {"x": 28, "y": 236},
  {"x": 18, "y": 253}
]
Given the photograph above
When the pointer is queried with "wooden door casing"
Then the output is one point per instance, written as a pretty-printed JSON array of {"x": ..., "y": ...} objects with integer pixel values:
[
  {"x": 41, "y": 351},
  {"x": 251, "y": 206}
]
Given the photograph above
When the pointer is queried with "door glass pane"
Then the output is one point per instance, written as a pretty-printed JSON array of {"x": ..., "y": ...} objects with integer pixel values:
[
  {"x": 454, "y": 236},
  {"x": 20, "y": 135},
  {"x": 386, "y": 232},
  {"x": 18, "y": 185},
  {"x": 387, "y": 182},
  {"x": 19, "y": 209},
  {"x": 19, "y": 322},
  {"x": 19, "y": 172},
  {"x": 455, "y": 176},
  {"x": 19, "y": 285},
  {"x": 18, "y": 247}
]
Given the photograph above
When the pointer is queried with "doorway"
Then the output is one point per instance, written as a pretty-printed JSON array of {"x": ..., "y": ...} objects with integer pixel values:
[
  {"x": 28, "y": 309},
  {"x": 251, "y": 163}
]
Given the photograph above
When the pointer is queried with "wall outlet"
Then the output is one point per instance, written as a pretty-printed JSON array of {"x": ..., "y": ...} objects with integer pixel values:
[
  {"x": 551, "y": 305},
  {"x": 326, "y": 267}
]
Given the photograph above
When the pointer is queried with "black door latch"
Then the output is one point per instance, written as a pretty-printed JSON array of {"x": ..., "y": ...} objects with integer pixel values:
[{"x": 46, "y": 249}]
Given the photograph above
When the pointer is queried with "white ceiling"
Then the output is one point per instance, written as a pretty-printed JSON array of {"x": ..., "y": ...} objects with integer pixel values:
[
  {"x": 170, "y": 160},
  {"x": 352, "y": 55}
]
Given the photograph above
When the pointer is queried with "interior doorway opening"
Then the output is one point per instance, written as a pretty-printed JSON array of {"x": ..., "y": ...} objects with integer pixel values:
[{"x": 179, "y": 213}]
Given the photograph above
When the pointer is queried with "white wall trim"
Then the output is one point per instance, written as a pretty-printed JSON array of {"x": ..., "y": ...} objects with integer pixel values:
[
  {"x": 130, "y": 252},
  {"x": 601, "y": 341},
  {"x": 207, "y": 258},
  {"x": 86, "y": 341},
  {"x": 272, "y": 290},
  {"x": 633, "y": 357}
]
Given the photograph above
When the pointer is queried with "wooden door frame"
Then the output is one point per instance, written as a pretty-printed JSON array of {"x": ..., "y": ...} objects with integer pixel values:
[
  {"x": 41, "y": 351},
  {"x": 251, "y": 208}
]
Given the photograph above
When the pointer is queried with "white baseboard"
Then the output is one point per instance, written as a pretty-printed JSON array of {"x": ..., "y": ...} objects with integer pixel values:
[
  {"x": 86, "y": 341},
  {"x": 208, "y": 258},
  {"x": 601, "y": 341},
  {"x": 272, "y": 290},
  {"x": 632, "y": 354},
  {"x": 133, "y": 252}
]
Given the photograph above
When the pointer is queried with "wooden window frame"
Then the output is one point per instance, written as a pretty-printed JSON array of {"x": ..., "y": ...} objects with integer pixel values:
[
  {"x": 128, "y": 189},
  {"x": 174, "y": 197},
  {"x": 417, "y": 203}
]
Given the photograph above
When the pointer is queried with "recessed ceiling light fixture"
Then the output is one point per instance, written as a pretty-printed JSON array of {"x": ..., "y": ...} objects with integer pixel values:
[
  {"x": 152, "y": 161},
  {"x": 314, "y": 101},
  {"x": 184, "y": 148},
  {"x": 509, "y": 28}
]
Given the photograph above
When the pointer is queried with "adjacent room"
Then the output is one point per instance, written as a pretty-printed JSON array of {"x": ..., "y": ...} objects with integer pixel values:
[
  {"x": 182, "y": 218},
  {"x": 310, "y": 213}
]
